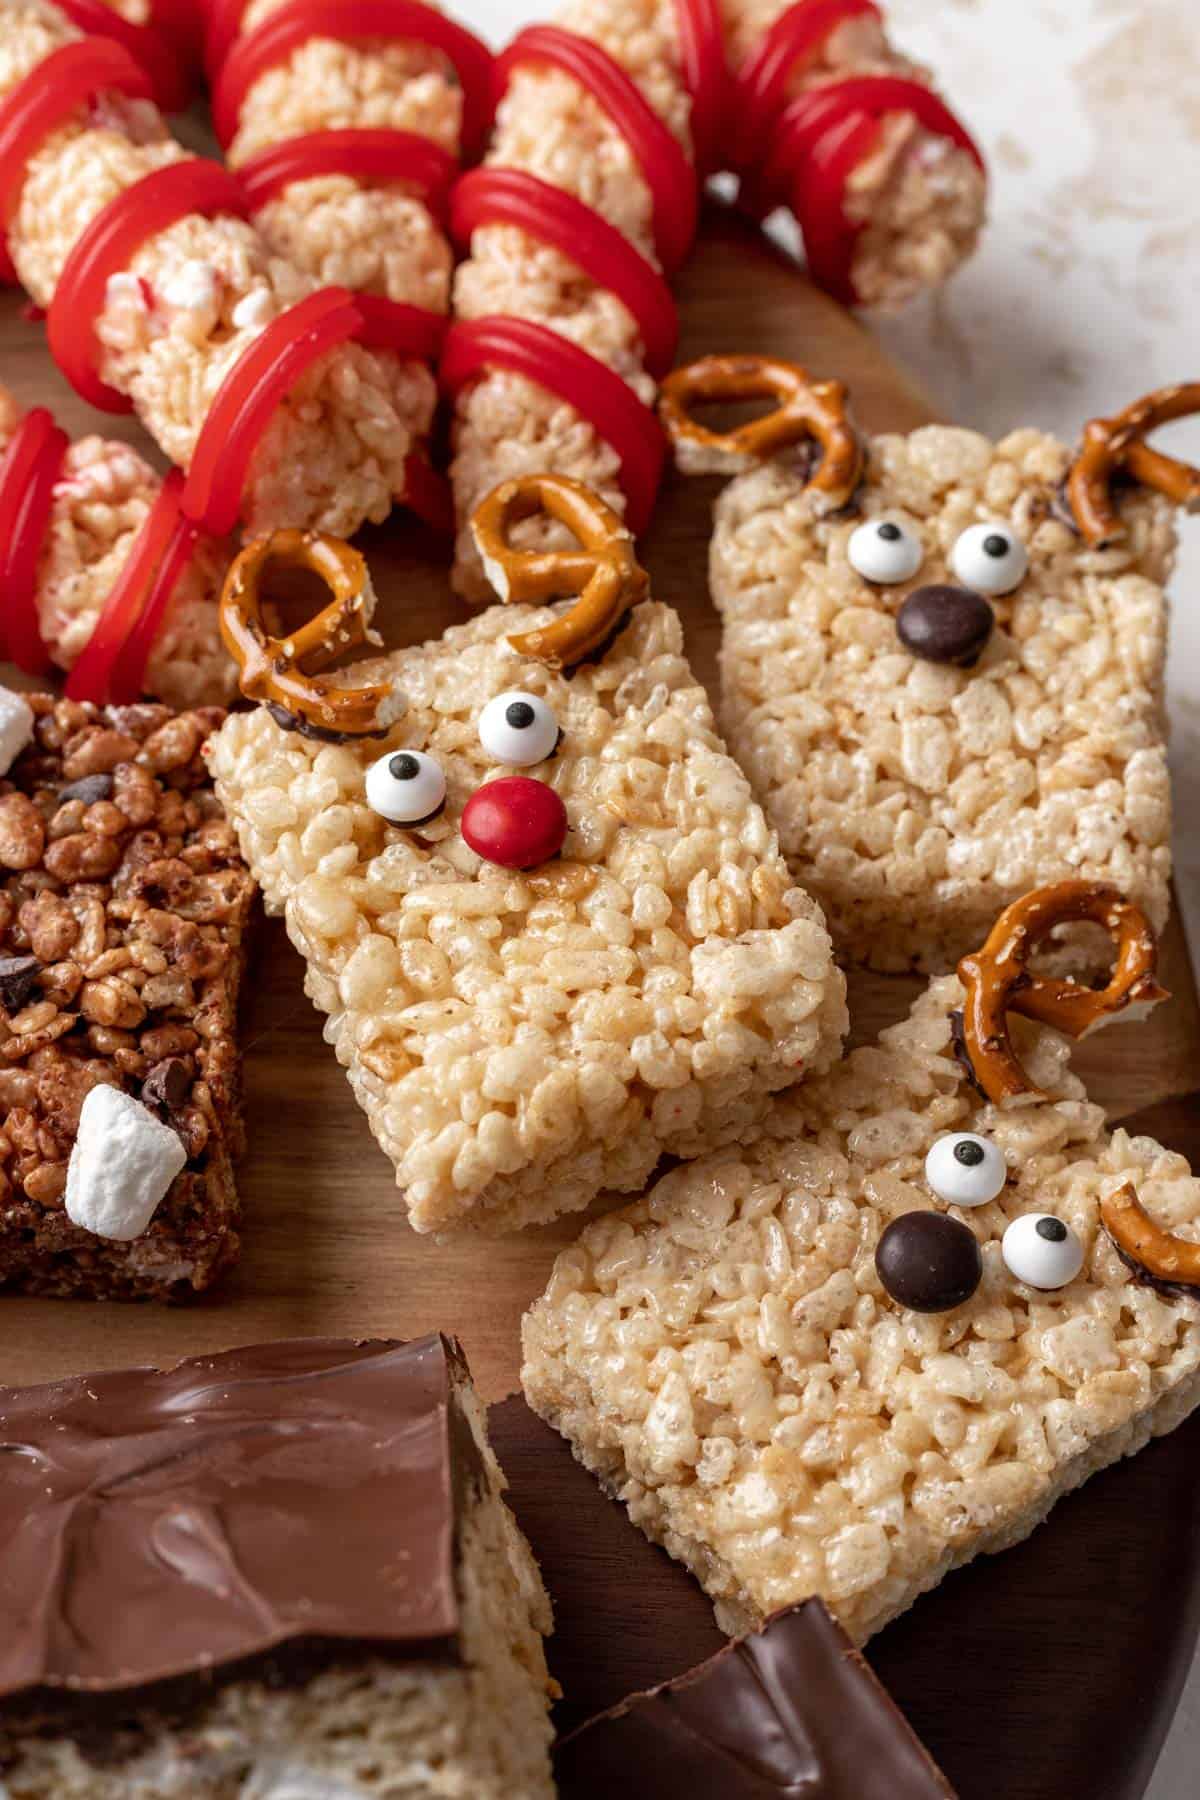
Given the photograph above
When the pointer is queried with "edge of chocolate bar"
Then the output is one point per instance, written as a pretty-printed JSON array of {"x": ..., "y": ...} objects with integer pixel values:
[
  {"x": 792, "y": 1708},
  {"x": 153, "y": 1522}
]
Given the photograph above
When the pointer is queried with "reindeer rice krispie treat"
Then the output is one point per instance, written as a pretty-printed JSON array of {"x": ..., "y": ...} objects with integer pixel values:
[
  {"x": 158, "y": 291},
  {"x": 538, "y": 982},
  {"x": 892, "y": 1335},
  {"x": 286, "y": 1572},
  {"x": 943, "y": 658}
]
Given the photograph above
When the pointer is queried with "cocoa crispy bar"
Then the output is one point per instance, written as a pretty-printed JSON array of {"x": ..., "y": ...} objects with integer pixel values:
[{"x": 124, "y": 904}]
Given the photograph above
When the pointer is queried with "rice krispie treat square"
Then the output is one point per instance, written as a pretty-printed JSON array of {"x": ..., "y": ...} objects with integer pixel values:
[
  {"x": 286, "y": 1570},
  {"x": 522, "y": 1037},
  {"x": 124, "y": 906},
  {"x": 889, "y": 1337},
  {"x": 941, "y": 671}
]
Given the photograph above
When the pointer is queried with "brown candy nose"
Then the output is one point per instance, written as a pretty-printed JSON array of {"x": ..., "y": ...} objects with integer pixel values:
[{"x": 945, "y": 624}]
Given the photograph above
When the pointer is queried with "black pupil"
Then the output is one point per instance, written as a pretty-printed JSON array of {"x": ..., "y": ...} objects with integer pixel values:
[
  {"x": 1052, "y": 1229},
  {"x": 404, "y": 767},
  {"x": 891, "y": 534},
  {"x": 520, "y": 715},
  {"x": 969, "y": 1153},
  {"x": 996, "y": 545}
]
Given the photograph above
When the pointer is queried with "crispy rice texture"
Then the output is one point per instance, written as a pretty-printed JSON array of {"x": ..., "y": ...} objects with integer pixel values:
[
  {"x": 723, "y": 1357},
  {"x": 193, "y": 300},
  {"x": 521, "y": 1041},
  {"x": 363, "y": 1729},
  {"x": 915, "y": 800},
  {"x": 99, "y": 505}
]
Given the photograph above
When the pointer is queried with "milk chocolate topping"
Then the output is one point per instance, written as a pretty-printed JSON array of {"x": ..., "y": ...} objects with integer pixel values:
[
  {"x": 157, "y": 1524},
  {"x": 790, "y": 1713}
]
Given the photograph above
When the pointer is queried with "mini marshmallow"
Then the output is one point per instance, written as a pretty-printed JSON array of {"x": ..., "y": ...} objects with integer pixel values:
[
  {"x": 122, "y": 1164},
  {"x": 16, "y": 727}
]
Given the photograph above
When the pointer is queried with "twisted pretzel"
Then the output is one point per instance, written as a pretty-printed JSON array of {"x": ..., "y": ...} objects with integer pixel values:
[
  {"x": 1113, "y": 444},
  {"x": 808, "y": 411},
  {"x": 281, "y": 672},
  {"x": 997, "y": 978},
  {"x": 1157, "y": 1256},
  {"x": 604, "y": 572}
]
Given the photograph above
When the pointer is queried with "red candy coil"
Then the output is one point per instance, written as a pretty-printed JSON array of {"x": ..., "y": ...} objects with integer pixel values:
[
  {"x": 29, "y": 468},
  {"x": 596, "y": 393},
  {"x": 46, "y": 99},
  {"x": 156, "y": 202},
  {"x": 760, "y": 87},
  {"x": 705, "y": 76},
  {"x": 149, "y": 45},
  {"x": 374, "y": 156}
]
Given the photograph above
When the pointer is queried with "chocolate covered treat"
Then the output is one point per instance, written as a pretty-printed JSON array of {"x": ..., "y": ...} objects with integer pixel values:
[
  {"x": 943, "y": 658},
  {"x": 123, "y": 912},
  {"x": 938, "y": 1295},
  {"x": 552, "y": 931},
  {"x": 284, "y": 1570},
  {"x": 792, "y": 1709}
]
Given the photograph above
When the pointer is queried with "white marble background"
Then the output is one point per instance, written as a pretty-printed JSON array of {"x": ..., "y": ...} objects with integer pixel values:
[{"x": 1084, "y": 296}]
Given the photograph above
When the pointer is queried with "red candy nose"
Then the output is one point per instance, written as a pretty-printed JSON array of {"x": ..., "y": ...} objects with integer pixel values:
[{"x": 515, "y": 822}]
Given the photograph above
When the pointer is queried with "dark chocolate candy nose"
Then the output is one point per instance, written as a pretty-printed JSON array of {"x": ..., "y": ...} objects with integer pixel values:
[{"x": 944, "y": 624}]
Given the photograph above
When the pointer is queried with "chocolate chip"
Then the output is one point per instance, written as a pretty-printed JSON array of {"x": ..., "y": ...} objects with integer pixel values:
[
  {"x": 17, "y": 977},
  {"x": 89, "y": 789},
  {"x": 943, "y": 624},
  {"x": 167, "y": 1085},
  {"x": 928, "y": 1262}
]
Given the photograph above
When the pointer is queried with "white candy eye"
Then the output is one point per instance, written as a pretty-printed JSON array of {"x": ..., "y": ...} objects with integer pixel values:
[
  {"x": 883, "y": 550},
  {"x": 991, "y": 559},
  {"x": 406, "y": 786},
  {"x": 518, "y": 729},
  {"x": 965, "y": 1170},
  {"x": 1042, "y": 1251}
]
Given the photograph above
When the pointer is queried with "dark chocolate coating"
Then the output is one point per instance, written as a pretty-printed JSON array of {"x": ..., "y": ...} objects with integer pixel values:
[
  {"x": 944, "y": 624},
  {"x": 161, "y": 1524},
  {"x": 928, "y": 1262},
  {"x": 790, "y": 1713},
  {"x": 89, "y": 789},
  {"x": 18, "y": 977}
]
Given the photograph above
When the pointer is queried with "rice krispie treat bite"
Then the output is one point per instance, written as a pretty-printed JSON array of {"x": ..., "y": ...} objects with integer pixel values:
[
  {"x": 936, "y": 1296},
  {"x": 123, "y": 912},
  {"x": 79, "y": 539},
  {"x": 160, "y": 295},
  {"x": 587, "y": 202},
  {"x": 552, "y": 931},
  {"x": 284, "y": 1570},
  {"x": 943, "y": 658}
]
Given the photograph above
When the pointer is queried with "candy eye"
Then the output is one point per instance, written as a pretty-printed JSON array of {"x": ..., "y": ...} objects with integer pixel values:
[
  {"x": 965, "y": 1170},
  {"x": 990, "y": 558},
  {"x": 883, "y": 551},
  {"x": 518, "y": 729},
  {"x": 1042, "y": 1251},
  {"x": 406, "y": 787}
]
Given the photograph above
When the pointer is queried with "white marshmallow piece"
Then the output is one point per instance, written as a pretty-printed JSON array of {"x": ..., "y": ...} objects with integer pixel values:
[
  {"x": 16, "y": 727},
  {"x": 123, "y": 1162}
]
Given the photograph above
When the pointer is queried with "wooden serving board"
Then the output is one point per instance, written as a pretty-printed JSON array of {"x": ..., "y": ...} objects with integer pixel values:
[{"x": 1050, "y": 1672}]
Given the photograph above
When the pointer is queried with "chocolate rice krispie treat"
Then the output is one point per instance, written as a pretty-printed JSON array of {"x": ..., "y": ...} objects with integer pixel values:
[
  {"x": 538, "y": 982},
  {"x": 943, "y": 658},
  {"x": 892, "y": 1335},
  {"x": 123, "y": 911},
  {"x": 282, "y": 1573}
]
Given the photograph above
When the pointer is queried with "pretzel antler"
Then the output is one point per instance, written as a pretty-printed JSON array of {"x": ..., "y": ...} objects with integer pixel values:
[
  {"x": 604, "y": 572},
  {"x": 998, "y": 981},
  {"x": 1157, "y": 1257},
  {"x": 282, "y": 672},
  {"x": 1113, "y": 444},
  {"x": 807, "y": 411}
]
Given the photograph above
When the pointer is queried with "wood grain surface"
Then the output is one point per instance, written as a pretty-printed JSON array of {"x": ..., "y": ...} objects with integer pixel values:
[{"x": 1055, "y": 1668}]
